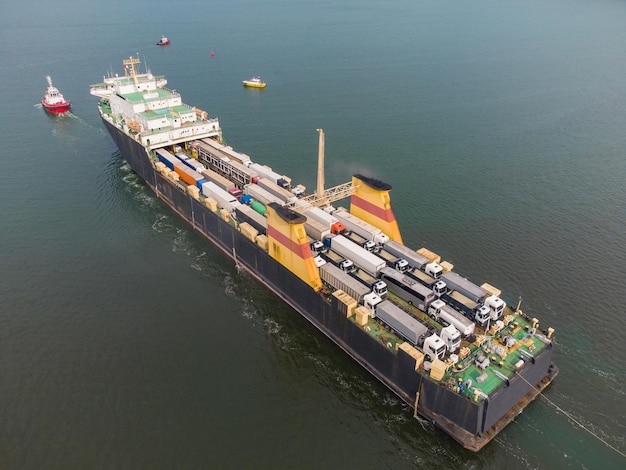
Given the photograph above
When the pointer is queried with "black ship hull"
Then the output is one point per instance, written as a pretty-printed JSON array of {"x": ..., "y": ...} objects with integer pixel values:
[{"x": 472, "y": 424}]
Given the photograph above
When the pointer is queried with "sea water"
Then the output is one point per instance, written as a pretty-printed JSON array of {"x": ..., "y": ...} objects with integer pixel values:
[{"x": 128, "y": 341}]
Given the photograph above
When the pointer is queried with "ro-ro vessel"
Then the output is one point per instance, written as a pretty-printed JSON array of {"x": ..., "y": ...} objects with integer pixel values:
[{"x": 451, "y": 349}]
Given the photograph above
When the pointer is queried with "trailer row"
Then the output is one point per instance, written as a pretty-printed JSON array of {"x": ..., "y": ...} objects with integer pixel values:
[{"x": 359, "y": 248}]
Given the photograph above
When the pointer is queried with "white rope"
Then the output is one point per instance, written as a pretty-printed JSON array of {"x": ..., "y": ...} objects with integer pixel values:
[{"x": 571, "y": 418}]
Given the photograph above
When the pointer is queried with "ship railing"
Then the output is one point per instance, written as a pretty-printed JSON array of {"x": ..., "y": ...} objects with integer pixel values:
[
  {"x": 173, "y": 92},
  {"x": 192, "y": 108}
]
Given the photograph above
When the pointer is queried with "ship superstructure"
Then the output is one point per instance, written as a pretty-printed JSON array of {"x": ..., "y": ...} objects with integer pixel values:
[{"x": 452, "y": 350}]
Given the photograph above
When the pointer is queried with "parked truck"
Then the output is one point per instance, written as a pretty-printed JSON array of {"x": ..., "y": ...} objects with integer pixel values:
[
  {"x": 363, "y": 242},
  {"x": 361, "y": 227},
  {"x": 377, "y": 286},
  {"x": 412, "y": 330},
  {"x": 283, "y": 194},
  {"x": 458, "y": 283},
  {"x": 472, "y": 310},
  {"x": 224, "y": 199},
  {"x": 446, "y": 315},
  {"x": 336, "y": 259},
  {"x": 474, "y": 293},
  {"x": 223, "y": 182},
  {"x": 436, "y": 285},
  {"x": 393, "y": 261},
  {"x": 358, "y": 255},
  {"x": 451, "y": 338},
  {"x": 341, "y": 280},
  {"x": 266, "y": 172},
  {"x": 413, "y": 258},
  {"x": 261, "y": 195},
  {"x": 324, "y": 217}
]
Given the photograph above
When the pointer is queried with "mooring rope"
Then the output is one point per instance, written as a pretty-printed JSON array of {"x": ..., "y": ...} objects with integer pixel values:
[{"x": 571, "y": 418}]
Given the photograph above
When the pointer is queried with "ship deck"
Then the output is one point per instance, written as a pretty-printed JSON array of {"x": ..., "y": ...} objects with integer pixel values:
[{"x": 504, "y": 361}]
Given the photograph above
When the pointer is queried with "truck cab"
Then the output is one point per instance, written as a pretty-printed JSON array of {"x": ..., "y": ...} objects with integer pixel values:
[
  {"x": 482, "y": 315},
  {"x": 380, "y": 288},
  {"x": 369, "y": 245},
  {"x": 347, "y": 266},
  {"x": 496, "y": 306},
  {"x": 439, "y": 288},
  {"x": 317, "y": 247},
  {"x": 401, "y": 265},
  {"x": 434, "y": 270},
  {"x": 434, "y": 347},
  {"x": 236, "y": 192},
  {"x": 451, "y": 337},
  {"x": 370, "y": 301}
]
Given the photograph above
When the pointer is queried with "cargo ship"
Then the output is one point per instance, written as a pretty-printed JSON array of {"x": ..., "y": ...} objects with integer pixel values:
[{"x": 454, "y": 351}]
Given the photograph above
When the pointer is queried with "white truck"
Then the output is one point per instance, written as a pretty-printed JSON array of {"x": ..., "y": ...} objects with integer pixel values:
[
  {"x": 339, "y": 279},
  {"x": 471, "y": 291},
  {"x": 285, "y": 195},
  {"x": 224, "y": 199},
  {"x": 445, "y": 314},
  {"x": 411, "y": 329},
  {"x": 361, "y": 227},
  {"x": 261, "y": 195},
  {"x": 358, "y": 255},
  {"x": 413, "y": 258}
]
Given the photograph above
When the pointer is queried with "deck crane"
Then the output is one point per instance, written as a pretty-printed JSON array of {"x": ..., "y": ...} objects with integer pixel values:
[{"x": 324, "y": 197}]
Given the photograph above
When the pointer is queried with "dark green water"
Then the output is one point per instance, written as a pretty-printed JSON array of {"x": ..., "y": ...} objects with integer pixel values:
[{"x": 127, "y": 341}]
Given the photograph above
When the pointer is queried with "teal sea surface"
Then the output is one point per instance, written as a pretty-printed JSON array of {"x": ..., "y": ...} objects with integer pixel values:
[{"x": 127, "y": 341}]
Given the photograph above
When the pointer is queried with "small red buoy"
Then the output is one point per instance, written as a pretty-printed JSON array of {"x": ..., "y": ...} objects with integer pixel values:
[{"x": 212, "y": 53}]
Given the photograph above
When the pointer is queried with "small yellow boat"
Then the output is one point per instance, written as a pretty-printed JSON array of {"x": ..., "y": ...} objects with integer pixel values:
[{"x": 255, "y": 82}]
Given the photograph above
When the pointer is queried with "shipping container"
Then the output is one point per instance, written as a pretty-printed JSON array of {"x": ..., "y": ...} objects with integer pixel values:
[
  {"x": 218, "y": 179},
  {"x": 187, "y": 174},
  {"x": 166, "y": 158}
]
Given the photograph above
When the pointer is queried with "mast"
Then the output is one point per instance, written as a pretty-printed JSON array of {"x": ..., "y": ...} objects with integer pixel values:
[
  {"x": 131, "y": 62},
  {"x": 320, "y": 165}
]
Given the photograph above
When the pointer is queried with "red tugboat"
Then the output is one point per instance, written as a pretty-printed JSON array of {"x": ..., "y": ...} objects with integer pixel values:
[
  {"x": 163, "y": 42},
  {"x": 53, "y": 100}
]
